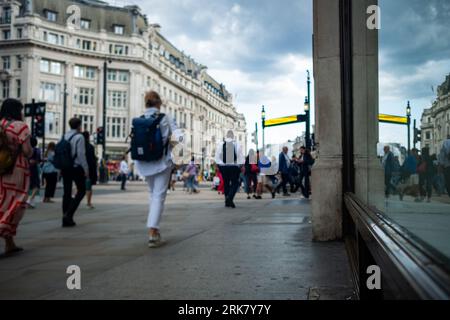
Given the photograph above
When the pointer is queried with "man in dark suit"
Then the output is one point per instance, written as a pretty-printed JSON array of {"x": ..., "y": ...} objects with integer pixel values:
[{"x": 284, "y": 164}]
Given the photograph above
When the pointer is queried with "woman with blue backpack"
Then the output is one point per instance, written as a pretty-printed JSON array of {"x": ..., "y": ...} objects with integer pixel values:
[{"x": 151, "y": 151}]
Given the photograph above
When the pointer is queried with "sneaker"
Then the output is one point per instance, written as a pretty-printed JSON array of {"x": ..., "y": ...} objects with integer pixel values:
[
  {"x": 273, "y": 195},
  {"x": 154, "y": 241}
]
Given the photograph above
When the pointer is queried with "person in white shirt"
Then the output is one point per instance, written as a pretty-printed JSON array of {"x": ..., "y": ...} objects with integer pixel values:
[
  {"x": 124, "y": 169},
  {"x": 230, "y": 158},
  {"x": 157, "y": 173}
]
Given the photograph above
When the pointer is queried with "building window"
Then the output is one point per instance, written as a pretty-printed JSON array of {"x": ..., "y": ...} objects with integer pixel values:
[
  {"x": 19, "y": 62},
  {"x": 85, "y": 24},
  {"x": 118, "y": 49},
  {"x": 428, "y": 135},
  {"x": 53, "y": 38},
  {"x": 50, "y": 92},
  {"x": 18, "y": 88},
  {"x": 51, "y": 15},
  {"x": 118, "y": 29},
  {"x": 6, "y": 62},
  {"x": 19, "y": 33},
  {"x": 118, "y": 75},
  {"x": 84, "y": 96},
  {"x": 52, "y": 123},
  {"x": 48, "y": 66},
  {"x": 117, "y": 127},
  {"x": 6, "y": 17},
  {"x": 5, "y": 89},
  {"x": 87, "y": 122},
  {"x": 84, "y": 72},
  {"x": 86, "y": 45},
  {"x": 6, "y": 34},
  {"x": 117, "y": 99}
]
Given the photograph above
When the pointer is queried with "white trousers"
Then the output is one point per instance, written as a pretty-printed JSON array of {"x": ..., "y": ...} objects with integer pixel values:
[{"x": 157, "y": 185}]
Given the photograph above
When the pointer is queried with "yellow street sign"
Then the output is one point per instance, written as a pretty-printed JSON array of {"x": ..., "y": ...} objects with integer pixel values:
[
  {"x": 392, "y": 119},
  {"x": 281, "y": 121}
]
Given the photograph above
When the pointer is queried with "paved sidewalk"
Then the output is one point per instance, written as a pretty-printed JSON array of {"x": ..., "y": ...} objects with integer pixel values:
[{"x": 261, "y": 250}]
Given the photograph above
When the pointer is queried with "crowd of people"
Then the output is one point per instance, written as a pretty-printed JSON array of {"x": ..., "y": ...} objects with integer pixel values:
[
  {"x": 73, "y": 159},
  {"x": 421, "y": 175}
]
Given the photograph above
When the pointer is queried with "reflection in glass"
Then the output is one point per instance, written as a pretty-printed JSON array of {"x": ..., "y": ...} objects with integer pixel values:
[{"x": 415, "y": 66}]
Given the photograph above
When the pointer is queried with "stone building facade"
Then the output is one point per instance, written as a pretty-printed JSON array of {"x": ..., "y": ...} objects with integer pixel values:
[
  {"x": 435, "y": 122},
  {"x": 47, "y": 46}
]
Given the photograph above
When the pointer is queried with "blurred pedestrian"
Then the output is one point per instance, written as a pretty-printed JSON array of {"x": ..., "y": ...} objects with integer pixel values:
[
  {"x": 35, "y": 180},
  {"x": 230, "y": 158},
  {"x": 15, "y": 148},
  {"x": 191, "y": 173},
  {"x": 123, "y": 173},
  {"x": 92, "y": 161},
  {"x": 305, "y": 162},
  {"x": 49, "y": 173},
  {"x": 157, "y": 172},
  {"x": 284, "y": 163},
  {"x": 70, "y": 156},
  {"x": 251, "y": 173}
]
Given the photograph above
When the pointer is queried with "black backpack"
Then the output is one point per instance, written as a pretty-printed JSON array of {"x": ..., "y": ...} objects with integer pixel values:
[
  {"x": 63, "y": 159},
  {"x": 146, "y": 139}
]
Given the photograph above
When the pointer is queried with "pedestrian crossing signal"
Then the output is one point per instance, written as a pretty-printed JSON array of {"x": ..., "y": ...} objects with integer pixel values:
[{"x": 100, "y": 136}]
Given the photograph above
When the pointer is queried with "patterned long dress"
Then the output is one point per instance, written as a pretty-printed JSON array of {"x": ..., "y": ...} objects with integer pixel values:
[{"x": 14, "y": 187}]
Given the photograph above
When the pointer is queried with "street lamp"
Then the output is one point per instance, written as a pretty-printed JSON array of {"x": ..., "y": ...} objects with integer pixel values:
[
  {"x": 263, "y": 116},
  {"x": 105, "y": 95},
  {"x": 307, "y": 111},
  {"x": 306, "y": 104},
  {"x": 408, "y": 116}
]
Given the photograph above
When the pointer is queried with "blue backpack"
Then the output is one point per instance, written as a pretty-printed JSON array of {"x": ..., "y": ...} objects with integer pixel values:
[{"x": 146, "y": 139}]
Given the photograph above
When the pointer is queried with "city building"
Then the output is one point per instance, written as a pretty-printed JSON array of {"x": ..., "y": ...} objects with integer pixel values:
[
  {"x": 435, "y": 122},
  {"x": 56, "y": 52}
]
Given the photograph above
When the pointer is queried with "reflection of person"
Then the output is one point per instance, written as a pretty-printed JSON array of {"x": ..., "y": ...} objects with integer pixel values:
[
  {"x": 15, "y": 183},
  {"x": 425, "y": 170},
  {"x": 389, "y": 167},
  {"x": 229, "y": 157},
  {"x": 444, "y": 162}
]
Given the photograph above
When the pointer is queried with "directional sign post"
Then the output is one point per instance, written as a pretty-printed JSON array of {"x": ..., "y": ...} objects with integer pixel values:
[
  {"x": 285, "y": 121},
  {"x": 406, "y": 121}
]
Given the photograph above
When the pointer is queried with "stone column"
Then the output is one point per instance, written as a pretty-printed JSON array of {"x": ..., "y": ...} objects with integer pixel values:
[
  {"x": 327, "y": 172},
  {"x": 369, "y": 173}
]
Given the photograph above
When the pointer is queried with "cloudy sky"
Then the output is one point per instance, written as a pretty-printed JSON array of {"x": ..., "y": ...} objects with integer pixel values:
[
  {"x": 261, "y": 49},
  {"x": 414, "y": 57}
]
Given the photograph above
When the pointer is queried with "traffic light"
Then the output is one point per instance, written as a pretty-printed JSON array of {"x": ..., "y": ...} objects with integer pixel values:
[
  {"x": 39, "y": 126},
  {"x": 254, "y": 138},
  {"x": 100, "y": 136},
  {"x": 417, "y": 135}
]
